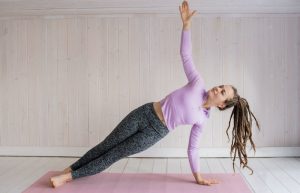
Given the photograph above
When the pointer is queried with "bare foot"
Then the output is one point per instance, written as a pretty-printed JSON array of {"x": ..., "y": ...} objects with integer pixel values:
[
  {"x": 60, "y": 180},
  {"x": 57, "y": 181},
  {"x": 67, "y": 170}
]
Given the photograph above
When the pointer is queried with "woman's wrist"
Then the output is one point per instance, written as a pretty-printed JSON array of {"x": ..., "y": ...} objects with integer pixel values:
[
  {"x": 197, "y": 176},
  {"x": 186, "y": 26}
]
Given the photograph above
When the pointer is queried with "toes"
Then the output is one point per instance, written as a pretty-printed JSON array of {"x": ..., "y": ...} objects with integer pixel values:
[
  {"x": 52, "y": 183},
  {"x": 56, "y": 182}
]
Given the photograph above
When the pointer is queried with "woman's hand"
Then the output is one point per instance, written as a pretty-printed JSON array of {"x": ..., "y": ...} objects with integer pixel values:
[
  {"x": 207, "y": 182},
  {"x": 185, "y": 13}
]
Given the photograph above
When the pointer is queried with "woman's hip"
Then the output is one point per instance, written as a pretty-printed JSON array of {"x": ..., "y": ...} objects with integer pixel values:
[{"x": 151, "y": 119}]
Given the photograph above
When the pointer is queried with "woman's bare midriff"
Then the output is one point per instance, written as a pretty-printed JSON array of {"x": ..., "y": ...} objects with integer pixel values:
[{"x": 158, "y": 111}]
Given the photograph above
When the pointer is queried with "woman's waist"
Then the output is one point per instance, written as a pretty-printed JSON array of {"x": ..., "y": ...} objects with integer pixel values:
[{"x": 158, "y": 111}]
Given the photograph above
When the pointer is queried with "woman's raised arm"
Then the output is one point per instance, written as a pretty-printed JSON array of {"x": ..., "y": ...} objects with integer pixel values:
[{"x": 186, "y": 44}]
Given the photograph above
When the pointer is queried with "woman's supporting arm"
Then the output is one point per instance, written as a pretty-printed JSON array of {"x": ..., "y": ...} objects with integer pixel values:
[{"x": 193, "y": 148}]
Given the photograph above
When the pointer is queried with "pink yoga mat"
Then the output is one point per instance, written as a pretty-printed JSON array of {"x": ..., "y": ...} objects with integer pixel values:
[{"x": 142, "y": 183}]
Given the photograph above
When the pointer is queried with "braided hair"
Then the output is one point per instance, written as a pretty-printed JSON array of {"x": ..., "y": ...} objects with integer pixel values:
[{"x": 242, "y": 126}]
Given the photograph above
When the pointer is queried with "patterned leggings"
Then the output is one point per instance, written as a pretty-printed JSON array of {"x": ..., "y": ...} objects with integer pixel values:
[{"x": 139, "y": 130}]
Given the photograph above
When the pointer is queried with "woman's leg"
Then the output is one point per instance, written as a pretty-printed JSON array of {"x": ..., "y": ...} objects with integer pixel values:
[
  {"x": 138, "y": 142},
  {"x": 126, "y": 128},
  {"x": 150, "y": 130}
]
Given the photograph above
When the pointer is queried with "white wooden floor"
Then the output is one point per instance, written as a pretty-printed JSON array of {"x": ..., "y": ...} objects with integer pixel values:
[{"x": 271, "y": 175}]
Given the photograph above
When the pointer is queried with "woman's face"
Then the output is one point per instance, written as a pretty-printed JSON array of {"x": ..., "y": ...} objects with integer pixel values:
[{"x": 218, "y": 94}]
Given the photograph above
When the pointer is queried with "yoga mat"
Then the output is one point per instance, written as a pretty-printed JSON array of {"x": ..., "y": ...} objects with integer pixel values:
[{"x": 142, "y": 183}]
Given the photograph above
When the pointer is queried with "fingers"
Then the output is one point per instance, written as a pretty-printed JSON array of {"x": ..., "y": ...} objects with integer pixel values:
[
  {"x": 185, "y": 4},
  {"x": 185, "y": 8},
  {"x": 209, "y": 182},
  {"x": 194, "y": 12},
  {"x": 213, "y": 181},
  {"x": 206, "y": 182}
]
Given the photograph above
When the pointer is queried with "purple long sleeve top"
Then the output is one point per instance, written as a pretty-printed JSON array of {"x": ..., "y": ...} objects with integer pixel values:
[{"x": 184, "y": 105}]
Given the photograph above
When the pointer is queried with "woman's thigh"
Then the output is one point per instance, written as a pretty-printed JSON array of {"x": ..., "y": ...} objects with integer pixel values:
[
  {"x": 127, "y": 127},
  {"x": 136, "y": 143}
]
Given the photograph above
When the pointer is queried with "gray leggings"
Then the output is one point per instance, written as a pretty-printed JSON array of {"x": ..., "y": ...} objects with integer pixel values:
[{"x": 139, "y": 130}]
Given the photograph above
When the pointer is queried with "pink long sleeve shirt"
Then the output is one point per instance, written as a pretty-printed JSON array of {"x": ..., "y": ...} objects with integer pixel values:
[{"x": 184, "y": 105}]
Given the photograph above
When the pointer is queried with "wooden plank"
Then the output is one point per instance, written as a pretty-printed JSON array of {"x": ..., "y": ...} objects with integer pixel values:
[
  {"x": 133, "y": 165},
  {"x": 9, "y": 179},
  {"x": 185, "y": 166},
  {"x": 274, "y": 184},
  {"x": 283, "y": 178},
  {"x": 31, "y": 174},
  {"x": 173, "y": 166},
  {"x": 52, "y": 134},
  {"x": 77, "y": 100},
  {"x": 254, "y": 182},
  {"x": 124, "y": 67},
  {"x": 290, "y": 59},
  {"x": 204, "y": 167},
  {"x": 290, "y": 166},
  {"x": 8, "y": 164},
  {"x": 160, "y": 165},
  {"x": 146, "y": 165},
  {"x": 215, "y": 165},
  {"x": 39, "y": 85},
  {"x": 119, "y": 166},
  {"x": 63, "y": 86}
]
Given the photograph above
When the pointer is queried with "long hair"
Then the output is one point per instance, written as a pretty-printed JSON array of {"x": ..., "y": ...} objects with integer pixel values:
[{"x": 242, "y": 127}]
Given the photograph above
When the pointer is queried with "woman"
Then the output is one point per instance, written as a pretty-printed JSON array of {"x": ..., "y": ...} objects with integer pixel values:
[{"x": 147, "y": 124}]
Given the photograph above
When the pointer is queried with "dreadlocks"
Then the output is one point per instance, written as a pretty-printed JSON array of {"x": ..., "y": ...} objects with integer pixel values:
[{"x": 241, "y": 131}]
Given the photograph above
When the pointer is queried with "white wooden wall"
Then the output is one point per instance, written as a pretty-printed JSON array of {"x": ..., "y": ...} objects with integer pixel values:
[{"x": 67, "y": 80}]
